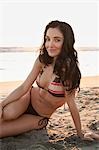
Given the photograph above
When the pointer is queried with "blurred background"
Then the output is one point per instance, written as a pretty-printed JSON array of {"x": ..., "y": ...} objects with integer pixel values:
[{"x": 22, "y": 23}]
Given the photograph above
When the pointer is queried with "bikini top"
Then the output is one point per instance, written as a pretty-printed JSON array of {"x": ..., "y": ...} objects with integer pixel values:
[{"x": 55, "y": 88}]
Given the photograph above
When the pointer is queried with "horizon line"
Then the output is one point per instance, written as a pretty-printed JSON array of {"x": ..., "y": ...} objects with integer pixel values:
[{"x": 30, "y": 49}]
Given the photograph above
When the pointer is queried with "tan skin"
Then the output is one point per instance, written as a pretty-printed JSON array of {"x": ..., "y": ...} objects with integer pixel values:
[
  {"x": 13, "y": 120},
  {"x": 43, "y": 102}
]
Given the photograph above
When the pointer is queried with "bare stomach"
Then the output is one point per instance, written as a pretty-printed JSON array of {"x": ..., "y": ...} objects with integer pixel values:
[{"x": 44, "y": 103}]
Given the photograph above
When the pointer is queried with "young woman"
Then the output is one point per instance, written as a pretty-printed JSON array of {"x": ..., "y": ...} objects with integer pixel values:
[{"x": 57, "y": 75}]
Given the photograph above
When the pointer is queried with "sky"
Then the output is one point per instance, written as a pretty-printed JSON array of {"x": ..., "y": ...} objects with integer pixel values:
[{"x": 22, "y": 22}]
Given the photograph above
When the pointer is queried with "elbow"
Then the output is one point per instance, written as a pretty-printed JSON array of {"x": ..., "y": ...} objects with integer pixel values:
[{"x": 72, "y": 106}]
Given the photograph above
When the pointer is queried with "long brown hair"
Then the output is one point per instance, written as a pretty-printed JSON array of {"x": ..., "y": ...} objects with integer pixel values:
[{"x": 66, "y": 65}]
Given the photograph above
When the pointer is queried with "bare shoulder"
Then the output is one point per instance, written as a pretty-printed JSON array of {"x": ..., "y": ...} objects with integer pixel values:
[{"x": 32, "y": 75}]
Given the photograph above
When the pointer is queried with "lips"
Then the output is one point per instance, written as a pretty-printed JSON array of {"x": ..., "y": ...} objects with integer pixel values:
[{"x": 52, "y": 50}]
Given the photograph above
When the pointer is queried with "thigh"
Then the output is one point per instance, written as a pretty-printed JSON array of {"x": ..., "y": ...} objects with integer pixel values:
[
  {"x": 21, "y": 125},
  {"x": 15, "y": 109}
]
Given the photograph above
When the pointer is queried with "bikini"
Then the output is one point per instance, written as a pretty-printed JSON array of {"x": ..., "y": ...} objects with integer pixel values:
[
  {"x": 56, "y": 93},
  {"x": 32, "y": 111},
  {"x": 55, "y": 83}
]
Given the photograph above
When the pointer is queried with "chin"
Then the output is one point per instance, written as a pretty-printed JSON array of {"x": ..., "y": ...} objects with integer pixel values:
[{"x": 52, "y": 55}]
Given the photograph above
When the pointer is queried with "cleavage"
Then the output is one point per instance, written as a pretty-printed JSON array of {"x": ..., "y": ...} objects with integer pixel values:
[{"x": 46, "y": 77}]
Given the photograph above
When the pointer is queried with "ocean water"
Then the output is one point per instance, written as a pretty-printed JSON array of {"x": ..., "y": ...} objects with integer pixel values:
[{"x": 17, "y": 65}]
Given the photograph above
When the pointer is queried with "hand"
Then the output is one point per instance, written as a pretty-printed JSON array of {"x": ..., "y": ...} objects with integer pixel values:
[{"x": 91, "y": 136}]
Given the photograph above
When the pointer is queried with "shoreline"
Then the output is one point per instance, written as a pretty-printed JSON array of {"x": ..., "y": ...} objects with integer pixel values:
[
  {"x": 36, "y": 48},
  {"x": 90, "y": 81}
]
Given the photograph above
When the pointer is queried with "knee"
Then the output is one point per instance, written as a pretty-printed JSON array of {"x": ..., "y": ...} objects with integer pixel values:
[{"x": 9, "y": 114}]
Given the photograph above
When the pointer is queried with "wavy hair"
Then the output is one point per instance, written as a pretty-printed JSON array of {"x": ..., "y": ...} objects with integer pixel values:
[{"x": 66, "y": 65}]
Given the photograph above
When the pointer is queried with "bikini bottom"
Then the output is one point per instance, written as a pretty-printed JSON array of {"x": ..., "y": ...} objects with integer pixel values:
[{"x": 31, "y": 110}]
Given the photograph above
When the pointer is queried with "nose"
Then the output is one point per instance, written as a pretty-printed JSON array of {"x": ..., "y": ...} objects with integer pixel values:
[{"x": 51, "y": 43}]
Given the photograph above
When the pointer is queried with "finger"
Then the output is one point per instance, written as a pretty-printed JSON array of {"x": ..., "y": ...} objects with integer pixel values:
[
  {"x": 88, "y": 139},
  {"x": 94, "y": 135}
]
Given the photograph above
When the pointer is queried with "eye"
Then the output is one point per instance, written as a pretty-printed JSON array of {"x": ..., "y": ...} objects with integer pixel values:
[
  {"x": 57, "y": 40},
  {"x": 47, "y": 39}
]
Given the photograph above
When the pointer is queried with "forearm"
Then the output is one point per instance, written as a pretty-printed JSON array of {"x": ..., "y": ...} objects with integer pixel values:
[
  {"x": 75, "y": 116},
  {"x": 77, "y": 121}
]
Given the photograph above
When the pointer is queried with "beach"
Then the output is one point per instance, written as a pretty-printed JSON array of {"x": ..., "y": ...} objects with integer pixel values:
[{"x": 60, "y": 133}]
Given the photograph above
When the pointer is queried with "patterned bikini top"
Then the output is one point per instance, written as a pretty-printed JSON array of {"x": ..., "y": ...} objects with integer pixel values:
[{"x": 55, "y": 87}]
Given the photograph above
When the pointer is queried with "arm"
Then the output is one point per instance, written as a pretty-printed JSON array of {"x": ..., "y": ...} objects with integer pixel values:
[
  {"x": 70, "y": 99},
  {"x": 25, "y": 86}
]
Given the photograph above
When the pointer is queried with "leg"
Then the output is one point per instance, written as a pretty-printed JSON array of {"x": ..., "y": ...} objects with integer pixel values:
[
  {"x": 20, "y": 125},
  {"x": 15, "y": 109}
]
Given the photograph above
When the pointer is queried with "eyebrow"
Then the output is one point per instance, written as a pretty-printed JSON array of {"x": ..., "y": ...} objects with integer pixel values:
[{"x": 56, "y": 37}]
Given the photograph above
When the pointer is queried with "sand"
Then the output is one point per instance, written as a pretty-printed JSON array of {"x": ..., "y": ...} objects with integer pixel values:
[{"x": 60, "y": 133}]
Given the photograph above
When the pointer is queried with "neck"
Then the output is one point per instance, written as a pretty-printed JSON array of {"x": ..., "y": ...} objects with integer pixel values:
[{"x": 54, "y": 60}]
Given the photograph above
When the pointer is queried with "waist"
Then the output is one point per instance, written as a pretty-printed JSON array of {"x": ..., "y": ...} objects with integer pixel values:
[{"x": 41, "y": 102}]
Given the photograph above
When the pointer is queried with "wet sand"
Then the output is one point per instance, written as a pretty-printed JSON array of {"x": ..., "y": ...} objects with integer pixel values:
[{"x": 60, "y": 133}]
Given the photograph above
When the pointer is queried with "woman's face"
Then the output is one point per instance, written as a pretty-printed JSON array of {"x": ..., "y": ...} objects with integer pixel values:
[{"x": 54, "y": 41}]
